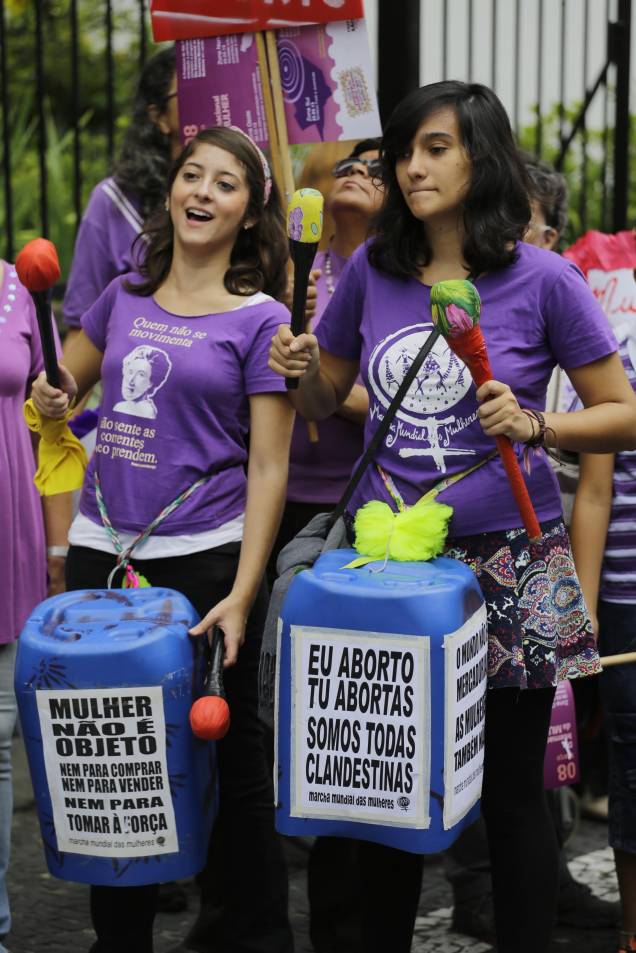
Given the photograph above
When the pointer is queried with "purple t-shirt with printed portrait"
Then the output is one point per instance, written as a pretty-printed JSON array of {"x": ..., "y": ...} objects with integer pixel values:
[
  {"x": 536, "y": 313},
  {"x": 175, "y": 408}
]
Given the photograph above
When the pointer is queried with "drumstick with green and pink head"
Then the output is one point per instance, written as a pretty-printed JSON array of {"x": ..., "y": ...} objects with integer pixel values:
[{"x": 456, "y": 309}]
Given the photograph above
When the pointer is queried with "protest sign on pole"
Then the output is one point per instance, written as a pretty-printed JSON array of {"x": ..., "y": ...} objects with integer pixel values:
[
  {"x": 327, "y": 83},
  {"x": 184, "y": 19},
  {"x": 219, "y": 83},
  {"x": 106, "y": 770},
  {"x": 561, "y": 763},
  {"x": 360, "y": 745},
  {"x": 320, "y": 80}
]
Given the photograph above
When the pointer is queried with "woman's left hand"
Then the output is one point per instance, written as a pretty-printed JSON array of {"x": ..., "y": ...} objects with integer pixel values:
[
  {"x": 499, "y": 413},
  {"x": 230, "y": 614}
]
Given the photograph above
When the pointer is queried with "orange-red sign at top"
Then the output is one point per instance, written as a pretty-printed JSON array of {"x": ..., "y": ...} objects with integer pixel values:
[{"x": 185, "y": 19}]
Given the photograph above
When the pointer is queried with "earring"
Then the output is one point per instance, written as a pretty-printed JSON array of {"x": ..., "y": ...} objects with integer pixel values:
[
  {"x": 167, "y": 205},
  {"x": 247, "y": 225}
]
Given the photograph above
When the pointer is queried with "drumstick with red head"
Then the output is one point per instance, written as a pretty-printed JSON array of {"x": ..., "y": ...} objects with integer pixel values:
[
  {"x": 456, "y": 309},
  {"x": 38, "y": 269},
  {"x": 210, "y": 714}
]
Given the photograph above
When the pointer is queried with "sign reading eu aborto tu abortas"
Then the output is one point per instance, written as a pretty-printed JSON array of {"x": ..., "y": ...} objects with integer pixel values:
[
  {"x": 361, "y": 724},
  {"x": 106, "y": 770}
]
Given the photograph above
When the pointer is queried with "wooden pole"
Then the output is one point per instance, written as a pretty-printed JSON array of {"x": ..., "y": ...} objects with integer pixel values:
[
  {"x": 279, "y": 115},
  {"x": 625, "y": 658},
  {"x": 272, "y": 130},
  {"x": 279, "y": 141}
]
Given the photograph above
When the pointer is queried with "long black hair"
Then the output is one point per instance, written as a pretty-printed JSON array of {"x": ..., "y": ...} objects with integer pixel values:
[
  {"x": 496, "y": 209},
  {"x": 144, "y": 160},
  {"x": 260, "y": 252}
]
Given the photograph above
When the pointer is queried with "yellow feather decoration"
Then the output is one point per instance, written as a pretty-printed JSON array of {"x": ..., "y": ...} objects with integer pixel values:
[{"x": 414, "y": 535}]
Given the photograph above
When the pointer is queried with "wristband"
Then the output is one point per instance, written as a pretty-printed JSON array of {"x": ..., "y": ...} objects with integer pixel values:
[
  {"x": 57, "y": 551},
  {"x": 537, "y": 439}
]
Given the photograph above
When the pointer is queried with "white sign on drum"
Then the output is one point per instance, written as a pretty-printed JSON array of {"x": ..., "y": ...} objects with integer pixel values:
[
  {"x": 360, "y": 745},
  {"x": 465, "y": 677}
]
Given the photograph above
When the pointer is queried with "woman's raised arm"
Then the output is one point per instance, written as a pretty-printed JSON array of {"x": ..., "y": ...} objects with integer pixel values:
[{"x": 325, "y": 380}]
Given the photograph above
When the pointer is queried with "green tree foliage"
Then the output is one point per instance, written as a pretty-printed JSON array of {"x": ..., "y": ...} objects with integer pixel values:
[
  {"x": 588, "y": 176},
  {"x": 59, "y": 108},
  {"x": 588, "y": 169}
]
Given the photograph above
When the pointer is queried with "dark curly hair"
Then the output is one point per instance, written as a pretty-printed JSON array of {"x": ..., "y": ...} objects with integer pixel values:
[
  {"x": 260, "y": 253},
  {"x": 549, "y": 188},
  {"x": 144, "y": 160},
  {"x": 496, "y": 209}
]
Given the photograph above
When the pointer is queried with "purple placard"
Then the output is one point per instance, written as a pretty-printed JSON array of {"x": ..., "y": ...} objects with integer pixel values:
[
  {"x": 219, "y": 84},
  {"x": 561, "y": 765},
  {"x": 325, "y": 76},
  {"x": 327, "y": 82}
]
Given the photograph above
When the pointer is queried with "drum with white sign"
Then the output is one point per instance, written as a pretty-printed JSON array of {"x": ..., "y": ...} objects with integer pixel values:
[
  {"x": 381, "y": 702},
  {"x": 125, "y": 793}
]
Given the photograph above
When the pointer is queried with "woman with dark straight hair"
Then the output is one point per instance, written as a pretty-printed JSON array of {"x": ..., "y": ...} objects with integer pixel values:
[
  {"x": 203, "y": 306},
  {"x": 457, "y": 207}
]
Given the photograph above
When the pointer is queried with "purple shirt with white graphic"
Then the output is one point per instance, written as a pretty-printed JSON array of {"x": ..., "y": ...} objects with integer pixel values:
[
  {"x": 536, "y": 313},
  {"x": 618, "y": 576},
  {"x": 103, "y": 248},
  {"x": 319, "y": 472},
  {"x": 175, "y": 408}
]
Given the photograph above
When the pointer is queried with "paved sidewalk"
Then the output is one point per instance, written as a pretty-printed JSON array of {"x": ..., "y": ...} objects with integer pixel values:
[{"x": 52, "y": 915}]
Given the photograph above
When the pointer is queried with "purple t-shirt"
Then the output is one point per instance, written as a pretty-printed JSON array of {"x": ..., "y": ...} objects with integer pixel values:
[
  {"x": 618, "y": 575},
  {"x": 536, "y": 313},
  {"x": 103, "y": 248},
  {"x": 319, "y": 472},
  {"x": 175, "y": 408}
]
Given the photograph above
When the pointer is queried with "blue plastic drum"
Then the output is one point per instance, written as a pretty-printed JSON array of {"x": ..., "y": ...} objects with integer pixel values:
[
  {"x": 126, "y": 795},
  {"x": 381, "y": 702}
]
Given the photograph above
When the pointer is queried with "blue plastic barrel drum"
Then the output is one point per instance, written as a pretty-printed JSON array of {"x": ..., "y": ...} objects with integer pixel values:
[
  {"x": 380, "y": 702},
  {"x": 126, "y": 795}
]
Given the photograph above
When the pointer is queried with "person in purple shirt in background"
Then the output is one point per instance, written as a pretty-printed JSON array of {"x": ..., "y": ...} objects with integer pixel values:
[
  {"x": 456, "y": 206},
  {"x": 318, "y": 472},
  {"x": 34, "y": 530},
  {"x": 318, "y": 475},
  {"x": 194, "y": 329},
  {"x": 603, "y": 534},
  {"x": 119, "y": 205}
]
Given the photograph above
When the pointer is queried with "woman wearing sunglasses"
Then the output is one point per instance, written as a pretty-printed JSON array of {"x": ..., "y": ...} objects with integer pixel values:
[{"x": 318, "y": 474}]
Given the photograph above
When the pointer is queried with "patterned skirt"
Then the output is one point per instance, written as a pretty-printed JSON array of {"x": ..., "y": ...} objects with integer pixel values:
[{"x": 539, "y": 630}]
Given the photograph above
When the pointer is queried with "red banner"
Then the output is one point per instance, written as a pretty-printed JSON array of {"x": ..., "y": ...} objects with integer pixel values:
[
  {"x": 186, "y": 19},
  {"x": 596, "y": 250}
]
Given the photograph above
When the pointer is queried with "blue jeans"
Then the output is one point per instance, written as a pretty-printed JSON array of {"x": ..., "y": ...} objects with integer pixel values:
[{"x": 7, "y": 724}]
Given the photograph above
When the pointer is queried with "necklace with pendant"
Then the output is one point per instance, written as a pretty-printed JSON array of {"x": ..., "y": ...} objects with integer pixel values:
[{"x": 329, "y": 282}]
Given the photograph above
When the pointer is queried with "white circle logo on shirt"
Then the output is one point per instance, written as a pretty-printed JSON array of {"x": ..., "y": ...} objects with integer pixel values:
[{"x": 441, "y": 382}]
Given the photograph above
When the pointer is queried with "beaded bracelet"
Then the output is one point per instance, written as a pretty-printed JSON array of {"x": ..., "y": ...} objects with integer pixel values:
[{"x": 538, "y": 439}]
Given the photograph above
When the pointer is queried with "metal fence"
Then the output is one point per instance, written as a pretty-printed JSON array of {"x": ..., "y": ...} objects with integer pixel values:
[
  {"x": 84, "y": 57},
  {"x": 561, "y": 67},
  {"x": 60, "y": 134}
]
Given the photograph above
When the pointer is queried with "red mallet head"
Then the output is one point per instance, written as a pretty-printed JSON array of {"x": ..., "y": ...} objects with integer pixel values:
[
  {"x": 37, "y": 265},
  {"x": 210, "y": 717}
]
